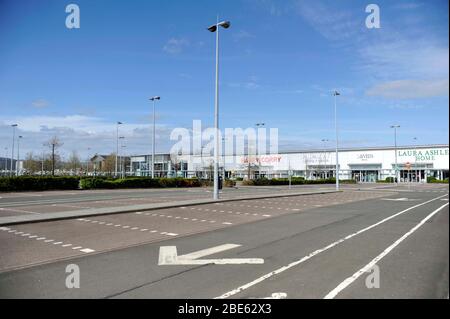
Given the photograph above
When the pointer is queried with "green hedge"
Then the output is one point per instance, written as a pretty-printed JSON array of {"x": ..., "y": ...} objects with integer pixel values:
[
  {"x": 138, "y": 182},
  {"x": 38, "y": 183},
  {"x": 433, "y": 180}
]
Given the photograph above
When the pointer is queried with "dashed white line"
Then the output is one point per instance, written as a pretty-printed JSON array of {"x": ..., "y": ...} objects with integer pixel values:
[{"x": 44, "y": 239}]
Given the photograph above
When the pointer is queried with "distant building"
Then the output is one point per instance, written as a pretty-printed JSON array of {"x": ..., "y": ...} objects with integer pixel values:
[
  {"x": 365, "y": 165},
  {"x": 5, "y": 165},
  {"x": 164, "y": 166},
  {"x": 99, "y": 164}
]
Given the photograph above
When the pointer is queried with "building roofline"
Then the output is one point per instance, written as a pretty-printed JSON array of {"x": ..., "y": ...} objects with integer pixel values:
[
  {"x": 342, "y": 149},
  {"x": 374, "y": 148}
]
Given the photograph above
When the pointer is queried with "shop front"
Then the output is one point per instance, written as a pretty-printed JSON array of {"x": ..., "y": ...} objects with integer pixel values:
[{"x": 365, "y": 173}]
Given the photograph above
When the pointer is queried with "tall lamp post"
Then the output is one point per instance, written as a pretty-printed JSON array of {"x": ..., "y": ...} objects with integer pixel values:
[
  {"x": 117, "y": 147},
  {"x": 18, "y": 154},
  {"x": 395, "y": 127},
  {"x": 223, "y": 156},
  {"x": 215, "y": 28},
  {"x": 324, "y": 141},
  {"x": 123, "y": 162},
  {"x": 335, "y": 94},
  {"x": 258, "y": 125},
  {"x": 12, "y": 150},
  {"x": 6, "y": 159},
  {"x": 119, "y": 171},
  {"x": 87, "y": 162},
  {"x": 153, "y": 99}
]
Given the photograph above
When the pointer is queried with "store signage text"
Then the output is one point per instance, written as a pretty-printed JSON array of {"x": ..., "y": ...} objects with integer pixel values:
[
  {"x": 365, "y": 156},
  {"x": 262, "y": 159},
  {"x": 424, "y": 155}
]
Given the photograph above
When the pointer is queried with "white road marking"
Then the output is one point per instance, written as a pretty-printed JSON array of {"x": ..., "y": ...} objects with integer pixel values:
[
  {"x": 314, "y": 253},
  {"x": 277, "y": 295},
  {"x": 70, "y": 206},
  {"x": 44, "y": 240},
  {"x": 403, "y": 199},
  {"x": 19, "y": 210},
  {"x": 87, "y": 250},
  {"x": 168, "y": 256},
  {"x": 333, "y": 293},
  {"x": 128, "y": 227}
]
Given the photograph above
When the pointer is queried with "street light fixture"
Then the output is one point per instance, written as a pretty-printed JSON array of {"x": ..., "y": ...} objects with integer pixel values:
[
  {"x": 215, "y": 28},
  {"x": 87, "y": 162},
  {"x": 119, "y": 172},
  {"x": 117, "y": 147},
  {"x": 335, "y": 94},
  {"x": 123, "y": 161},
  {"x": 12, "y": 150},
  {"x": 153, "y": 99},
  {"x": 395, "y": 127},
  {"x": 324, "y": 141},
  {"x": 6, "y": 159},
  {"x": 18, "y": 154}
]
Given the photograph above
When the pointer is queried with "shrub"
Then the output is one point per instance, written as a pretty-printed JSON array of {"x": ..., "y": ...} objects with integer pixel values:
[
  {"x": 432, "y": 179},
  {"x": 229, "y": 183},
  {"x": 38, "y": 183},
  {"x": 139, "y": 182}
]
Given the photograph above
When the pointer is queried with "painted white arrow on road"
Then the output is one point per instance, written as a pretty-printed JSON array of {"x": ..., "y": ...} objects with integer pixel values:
[
  {"x": 168, "y": 256},
  {"x": 277, "y": 295}
]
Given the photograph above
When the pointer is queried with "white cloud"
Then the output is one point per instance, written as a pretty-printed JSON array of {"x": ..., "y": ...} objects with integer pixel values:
[
  {"x": 242, "y": 35},
  {"x": 79, "y": 133},
  {"x": 176, "y": 45},
  {"x": 410, "y": 89},
  {"x": 408, "y": 5},
  {"x": 251, "y": 83},
  {"x": 331, "y": 23},
  {"x": 397, "y": 56},
  {"x": 40, "y": 103}
]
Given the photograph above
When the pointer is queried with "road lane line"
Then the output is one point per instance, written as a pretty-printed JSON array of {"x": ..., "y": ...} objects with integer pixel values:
[
  {"x": 314, "y": 253},
  {"x": 333, "y": 293},
  {"x": 45, "y": 240},
  {"x": 19, "y": 210}
]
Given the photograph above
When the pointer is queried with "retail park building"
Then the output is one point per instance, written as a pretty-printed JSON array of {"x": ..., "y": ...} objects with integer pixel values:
[{"x": 415, "y": 164}]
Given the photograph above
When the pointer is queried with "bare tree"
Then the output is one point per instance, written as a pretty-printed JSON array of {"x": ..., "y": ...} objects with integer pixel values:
[
  {"x": 31, "y": 164},
  {"x": 74, "y": 162},
  {"x": 108, "y": 165},
  {"x": 54, "y": 143}
]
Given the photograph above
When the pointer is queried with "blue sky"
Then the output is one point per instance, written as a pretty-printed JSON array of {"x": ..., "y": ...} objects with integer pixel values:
[{"x": 280, "y": 60}]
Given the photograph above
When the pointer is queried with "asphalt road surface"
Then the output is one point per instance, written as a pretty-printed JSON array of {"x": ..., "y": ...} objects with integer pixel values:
[
  {"x": 396, "y": 239},
  {"x": 35, "y": 203}
]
